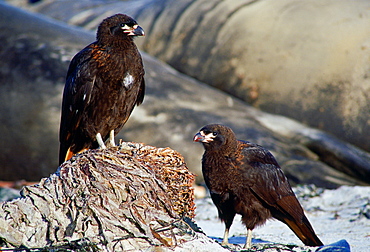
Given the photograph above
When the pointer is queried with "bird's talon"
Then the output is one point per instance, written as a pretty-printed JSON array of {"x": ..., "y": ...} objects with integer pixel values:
[
  {"x": 100, "y": 141},
  {"x": 111, "y": 142}
]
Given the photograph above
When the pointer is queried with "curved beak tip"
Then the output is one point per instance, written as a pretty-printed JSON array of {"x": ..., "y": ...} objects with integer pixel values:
[
  {"x": 139, "y": 31},
  {"x": 198, "y": 138}
]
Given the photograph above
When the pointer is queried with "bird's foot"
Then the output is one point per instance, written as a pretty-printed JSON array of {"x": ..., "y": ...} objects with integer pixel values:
[
  {"x": 100, "y": 141},
  {"x": 248, "y": 241},
  {"x": 225, "y": 244},
  {"x": 247, "y": 247},
  {"x": 111, "y": 142},
  {"x": 225, "y": 241}
]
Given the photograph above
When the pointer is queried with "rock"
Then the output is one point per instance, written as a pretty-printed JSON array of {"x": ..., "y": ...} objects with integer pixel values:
[
  {"x": 175, "y": 107},
  {"x": 116, "y": 199},
  {"x": 299, "y": 59}
]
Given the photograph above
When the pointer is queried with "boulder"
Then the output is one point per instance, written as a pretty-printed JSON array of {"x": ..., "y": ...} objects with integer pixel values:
[{"x": 117, "y": 199}]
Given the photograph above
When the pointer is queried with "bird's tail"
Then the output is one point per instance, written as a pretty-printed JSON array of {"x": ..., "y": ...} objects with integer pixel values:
[
  {"x": 65, "y": 153},
  {"x": 63, "y": 149},
  {"x": 69, "y": 154},
  {"x": 304, "y": 231}
]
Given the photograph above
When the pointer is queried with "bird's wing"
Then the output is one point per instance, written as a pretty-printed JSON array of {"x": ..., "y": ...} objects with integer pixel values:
[
  {"x": 76, "y": 96},
  {"x": 141, "y": 93},
  {"x": 267, "y": 180}
]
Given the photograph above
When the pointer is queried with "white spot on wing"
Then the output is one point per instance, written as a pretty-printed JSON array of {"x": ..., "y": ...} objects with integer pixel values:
[
  {"x": 84, "y": 97},
  {"x": 128, "y": 80}
]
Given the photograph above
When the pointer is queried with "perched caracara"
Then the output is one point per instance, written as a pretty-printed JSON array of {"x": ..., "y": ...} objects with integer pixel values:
[
  {"x": 104, "y": 83},
  {"x": 244, "y": 178}
]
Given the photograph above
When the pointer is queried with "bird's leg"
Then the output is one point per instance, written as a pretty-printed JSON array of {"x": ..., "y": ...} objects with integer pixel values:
[
  {"x": 248, "y": 241},
  {"x": 228, "y": 221},
  {"x": 225, "y": 241},
  {"x": 111, "y": 142},
  {"x": 100, "y": 141}
]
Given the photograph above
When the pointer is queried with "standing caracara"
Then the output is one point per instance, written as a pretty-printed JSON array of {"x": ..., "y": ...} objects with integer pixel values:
[
  {"x": 104, "y": 82},
  {"x": 244, "y": 178}
]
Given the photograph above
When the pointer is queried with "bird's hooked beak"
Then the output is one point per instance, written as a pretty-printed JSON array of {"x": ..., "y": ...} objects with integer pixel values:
[
  {"x": 203, "y": 138},
  {"x": 136, "y": 30}
]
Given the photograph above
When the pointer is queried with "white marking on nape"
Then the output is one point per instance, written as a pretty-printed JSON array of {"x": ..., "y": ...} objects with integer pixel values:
[
  {"x": 128, "y": 80},
  {"x": 84, "y": 97}
]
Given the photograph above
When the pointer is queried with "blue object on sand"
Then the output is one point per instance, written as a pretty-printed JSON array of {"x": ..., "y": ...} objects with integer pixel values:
[
  {"x": 238, "y": 240},
  {"x": 339, "y": 246}
]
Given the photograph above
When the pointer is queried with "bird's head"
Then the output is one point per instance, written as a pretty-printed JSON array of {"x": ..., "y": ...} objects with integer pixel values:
[
  {"x": 119, "y": 25},
  {"x": 214, "y": 136}
]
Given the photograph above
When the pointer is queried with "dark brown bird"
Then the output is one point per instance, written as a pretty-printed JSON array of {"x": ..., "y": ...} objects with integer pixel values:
[
  {"x": 104, "y": 82},
  {"x": 244, "y": 178}
]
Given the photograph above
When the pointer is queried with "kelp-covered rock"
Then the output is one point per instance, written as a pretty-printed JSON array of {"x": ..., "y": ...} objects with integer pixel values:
[
  {"x": 306, "y": 60},
  {"x": 35, "y": 57},
  {"x": 116, "y": 199}
]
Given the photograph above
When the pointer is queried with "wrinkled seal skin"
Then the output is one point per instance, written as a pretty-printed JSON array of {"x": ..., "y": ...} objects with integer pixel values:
[
  {"x": 35, "y": 56},
  {"x": 256, "y": 50}
]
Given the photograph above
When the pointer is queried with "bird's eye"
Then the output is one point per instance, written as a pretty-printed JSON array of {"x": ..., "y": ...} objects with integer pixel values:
[
  {"x": 125, "y": 26},
  {"x": 214, "y": 133}
]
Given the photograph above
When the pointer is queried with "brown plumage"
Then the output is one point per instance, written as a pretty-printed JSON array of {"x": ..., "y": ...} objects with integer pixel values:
[
  {"x": 104, "y": 82},
  {"x": 244, "y": 178}
]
